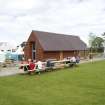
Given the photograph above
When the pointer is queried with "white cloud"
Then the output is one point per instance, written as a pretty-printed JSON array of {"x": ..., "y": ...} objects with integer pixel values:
[
  {"x": 20, "y": 4},
  {"x": 77, "y": 17}
]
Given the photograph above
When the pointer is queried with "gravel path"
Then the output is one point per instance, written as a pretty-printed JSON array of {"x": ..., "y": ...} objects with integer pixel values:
[{"x": 14, "y": 70}]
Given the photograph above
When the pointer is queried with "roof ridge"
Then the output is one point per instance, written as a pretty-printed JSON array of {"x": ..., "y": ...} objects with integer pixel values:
[{"x": 54, "y": 33}]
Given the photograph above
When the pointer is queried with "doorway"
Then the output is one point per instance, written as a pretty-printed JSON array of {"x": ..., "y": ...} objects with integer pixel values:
[{"x": 33, "y": 50}]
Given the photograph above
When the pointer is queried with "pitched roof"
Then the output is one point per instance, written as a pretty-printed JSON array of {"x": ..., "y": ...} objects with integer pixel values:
[{"x": 59, "y": 42}]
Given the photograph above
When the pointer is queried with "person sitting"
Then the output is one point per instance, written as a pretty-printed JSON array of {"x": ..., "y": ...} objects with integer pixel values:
[
  {"x": 77, "y": 59},
  {"x": 31, "y": 67},
  {"x": 39, "y": 67},
  {"x": 26, "y": 66},
  {"x": 72, "y": 61},
  {"x": 49, "y": 65},
  {"x": 68, "y": 60}
]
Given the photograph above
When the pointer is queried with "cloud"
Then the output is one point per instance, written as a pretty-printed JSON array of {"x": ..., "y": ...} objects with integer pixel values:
[{"x": 77, "y": 17}]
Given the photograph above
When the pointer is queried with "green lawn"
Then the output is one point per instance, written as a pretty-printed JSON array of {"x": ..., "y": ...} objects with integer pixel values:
[{"x": 83, "y": 85}]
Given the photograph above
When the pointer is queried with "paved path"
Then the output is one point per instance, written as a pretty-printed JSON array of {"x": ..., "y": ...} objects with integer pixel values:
[
  {"x": 14, "y": 70},
  {"x": 9, "y": 71},
  {"x": 95, "y": 59}
]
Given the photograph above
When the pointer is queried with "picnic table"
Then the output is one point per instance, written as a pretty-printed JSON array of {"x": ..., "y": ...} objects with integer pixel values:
[
  {"x": 25, "y": 68},
  {"x": 53, "y": 65}
]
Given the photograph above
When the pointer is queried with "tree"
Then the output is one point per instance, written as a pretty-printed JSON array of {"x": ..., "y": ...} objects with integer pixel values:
[
  {"x": 103, "y": 35},
  {"x": 96, "y": 43},
  {"x": 92, "y": 36}
]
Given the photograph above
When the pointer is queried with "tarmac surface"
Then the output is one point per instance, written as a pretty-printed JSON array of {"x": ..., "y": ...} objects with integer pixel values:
[{"x": 15, "y": 70}]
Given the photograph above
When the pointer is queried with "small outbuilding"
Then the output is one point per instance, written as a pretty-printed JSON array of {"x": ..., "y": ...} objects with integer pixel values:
[
  {"x": 18, "y": 55},
  {"x": 46, "y": 45}
]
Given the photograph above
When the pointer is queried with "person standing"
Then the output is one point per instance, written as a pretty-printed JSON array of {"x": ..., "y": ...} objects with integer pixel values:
[{"x": 91, "y": 57}]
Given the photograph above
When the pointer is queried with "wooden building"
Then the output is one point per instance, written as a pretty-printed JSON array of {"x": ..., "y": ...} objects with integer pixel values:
[{"x": 45, "y": 45}]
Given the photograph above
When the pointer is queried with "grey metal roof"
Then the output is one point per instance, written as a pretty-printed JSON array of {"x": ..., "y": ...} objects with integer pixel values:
[{"x": 59, "y": 42}]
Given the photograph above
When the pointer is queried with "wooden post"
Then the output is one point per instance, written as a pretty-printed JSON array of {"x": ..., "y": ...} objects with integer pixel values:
[{"x": 61, "y": 55}]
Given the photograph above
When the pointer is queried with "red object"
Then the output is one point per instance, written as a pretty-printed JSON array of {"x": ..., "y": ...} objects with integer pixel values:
[{"x": 31, "y": 66}]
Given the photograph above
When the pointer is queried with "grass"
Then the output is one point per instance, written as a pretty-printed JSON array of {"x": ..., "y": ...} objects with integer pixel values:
[{"x": 83, "y": 85}]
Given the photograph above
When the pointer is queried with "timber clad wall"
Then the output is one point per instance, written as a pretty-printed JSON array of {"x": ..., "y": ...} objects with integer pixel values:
[
  {"x": 28, "y": 51},
  {"x": 49, "y": 46},
  {"x": 51, "y": 55},
  {"x": 68, "y": 54},
  {"x": 39, "y": 51}
]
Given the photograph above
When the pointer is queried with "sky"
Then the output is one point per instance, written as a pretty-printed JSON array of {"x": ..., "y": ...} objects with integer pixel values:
[{"x": 74, "y": 17}]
